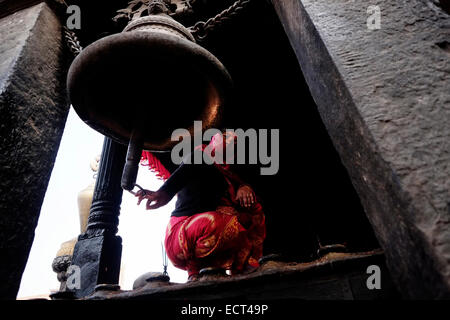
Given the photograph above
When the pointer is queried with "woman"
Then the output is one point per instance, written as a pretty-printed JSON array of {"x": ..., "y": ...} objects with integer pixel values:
[{"x": 218, "y": 222}]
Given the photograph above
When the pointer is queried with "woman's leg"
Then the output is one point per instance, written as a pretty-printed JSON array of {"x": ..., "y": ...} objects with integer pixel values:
[
  {"x": 251, "y": 249},
  {"x": 216, "y": 239},
  {"x": 201, "y": 241}
]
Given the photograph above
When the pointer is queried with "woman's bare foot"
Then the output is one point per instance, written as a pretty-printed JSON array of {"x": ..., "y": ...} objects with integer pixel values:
[{"x": 193, "y": 277}]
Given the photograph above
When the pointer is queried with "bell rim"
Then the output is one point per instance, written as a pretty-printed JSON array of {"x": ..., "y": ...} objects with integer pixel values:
[{"x": 148, "y": 38}]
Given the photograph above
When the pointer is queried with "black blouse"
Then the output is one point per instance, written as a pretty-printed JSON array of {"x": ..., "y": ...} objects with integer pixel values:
[{"x": 199, "y": 187}]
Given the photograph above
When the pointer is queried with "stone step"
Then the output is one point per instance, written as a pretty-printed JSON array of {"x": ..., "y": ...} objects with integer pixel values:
[{"x": 336, "y": 276}]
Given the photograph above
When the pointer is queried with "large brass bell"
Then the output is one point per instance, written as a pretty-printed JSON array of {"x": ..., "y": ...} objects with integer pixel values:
[{"x": 138, "y": 86}]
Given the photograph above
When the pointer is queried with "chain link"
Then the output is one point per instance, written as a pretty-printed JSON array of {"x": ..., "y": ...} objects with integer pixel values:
[
  {"x": 72, "y": 41},
  {"x": 201, "y": 29},
  {"x": 70, "y": 36}
]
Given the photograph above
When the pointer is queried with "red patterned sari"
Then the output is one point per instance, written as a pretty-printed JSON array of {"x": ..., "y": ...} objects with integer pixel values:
[{"x": 231, "y": 237}]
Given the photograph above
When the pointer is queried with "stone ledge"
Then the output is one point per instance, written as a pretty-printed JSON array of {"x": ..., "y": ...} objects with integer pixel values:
[{"x": 336, "y": 276}]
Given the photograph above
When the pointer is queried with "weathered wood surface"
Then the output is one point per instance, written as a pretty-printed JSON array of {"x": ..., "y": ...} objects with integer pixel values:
[
  {"x": 33, "y": 111},
  {"x": 384, "y": 96}
]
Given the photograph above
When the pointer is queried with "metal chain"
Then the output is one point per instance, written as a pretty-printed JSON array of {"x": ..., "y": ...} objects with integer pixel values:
[
  {"x": 72, "y": 41},
  {"x": 70, "y": 36},
  {"x": 164, "y": 259},
  {"x": 201, "y": 29}
]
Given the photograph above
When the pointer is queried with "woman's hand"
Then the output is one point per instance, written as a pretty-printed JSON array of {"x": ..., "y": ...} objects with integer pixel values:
[
  {"x": 245, "y": 196},
  {"x": 160, "y": 198}
]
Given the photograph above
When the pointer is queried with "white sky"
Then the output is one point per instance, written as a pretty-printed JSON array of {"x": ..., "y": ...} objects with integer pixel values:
[{"x": 142, "y": 231}]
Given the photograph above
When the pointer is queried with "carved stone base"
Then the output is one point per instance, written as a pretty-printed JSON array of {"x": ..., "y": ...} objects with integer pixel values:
[
  {"x": 98, "y": 257},
  {"x": 60, "y": 265}
]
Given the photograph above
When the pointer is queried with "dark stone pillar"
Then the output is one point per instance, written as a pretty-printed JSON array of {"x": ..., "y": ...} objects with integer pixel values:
[
  {"x": 8, "y": 7},
  {"x": 33, "y": 111},
  {"x": 98, "y": 251},
  {"x": 383, "y": 95}
]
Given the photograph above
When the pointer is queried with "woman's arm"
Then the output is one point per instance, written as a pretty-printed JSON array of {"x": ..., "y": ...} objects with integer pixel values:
[{"x": 185, "y": 173}]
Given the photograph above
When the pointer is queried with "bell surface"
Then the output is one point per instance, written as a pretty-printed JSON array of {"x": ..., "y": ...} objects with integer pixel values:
[{"x": 150, "y": 79}]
